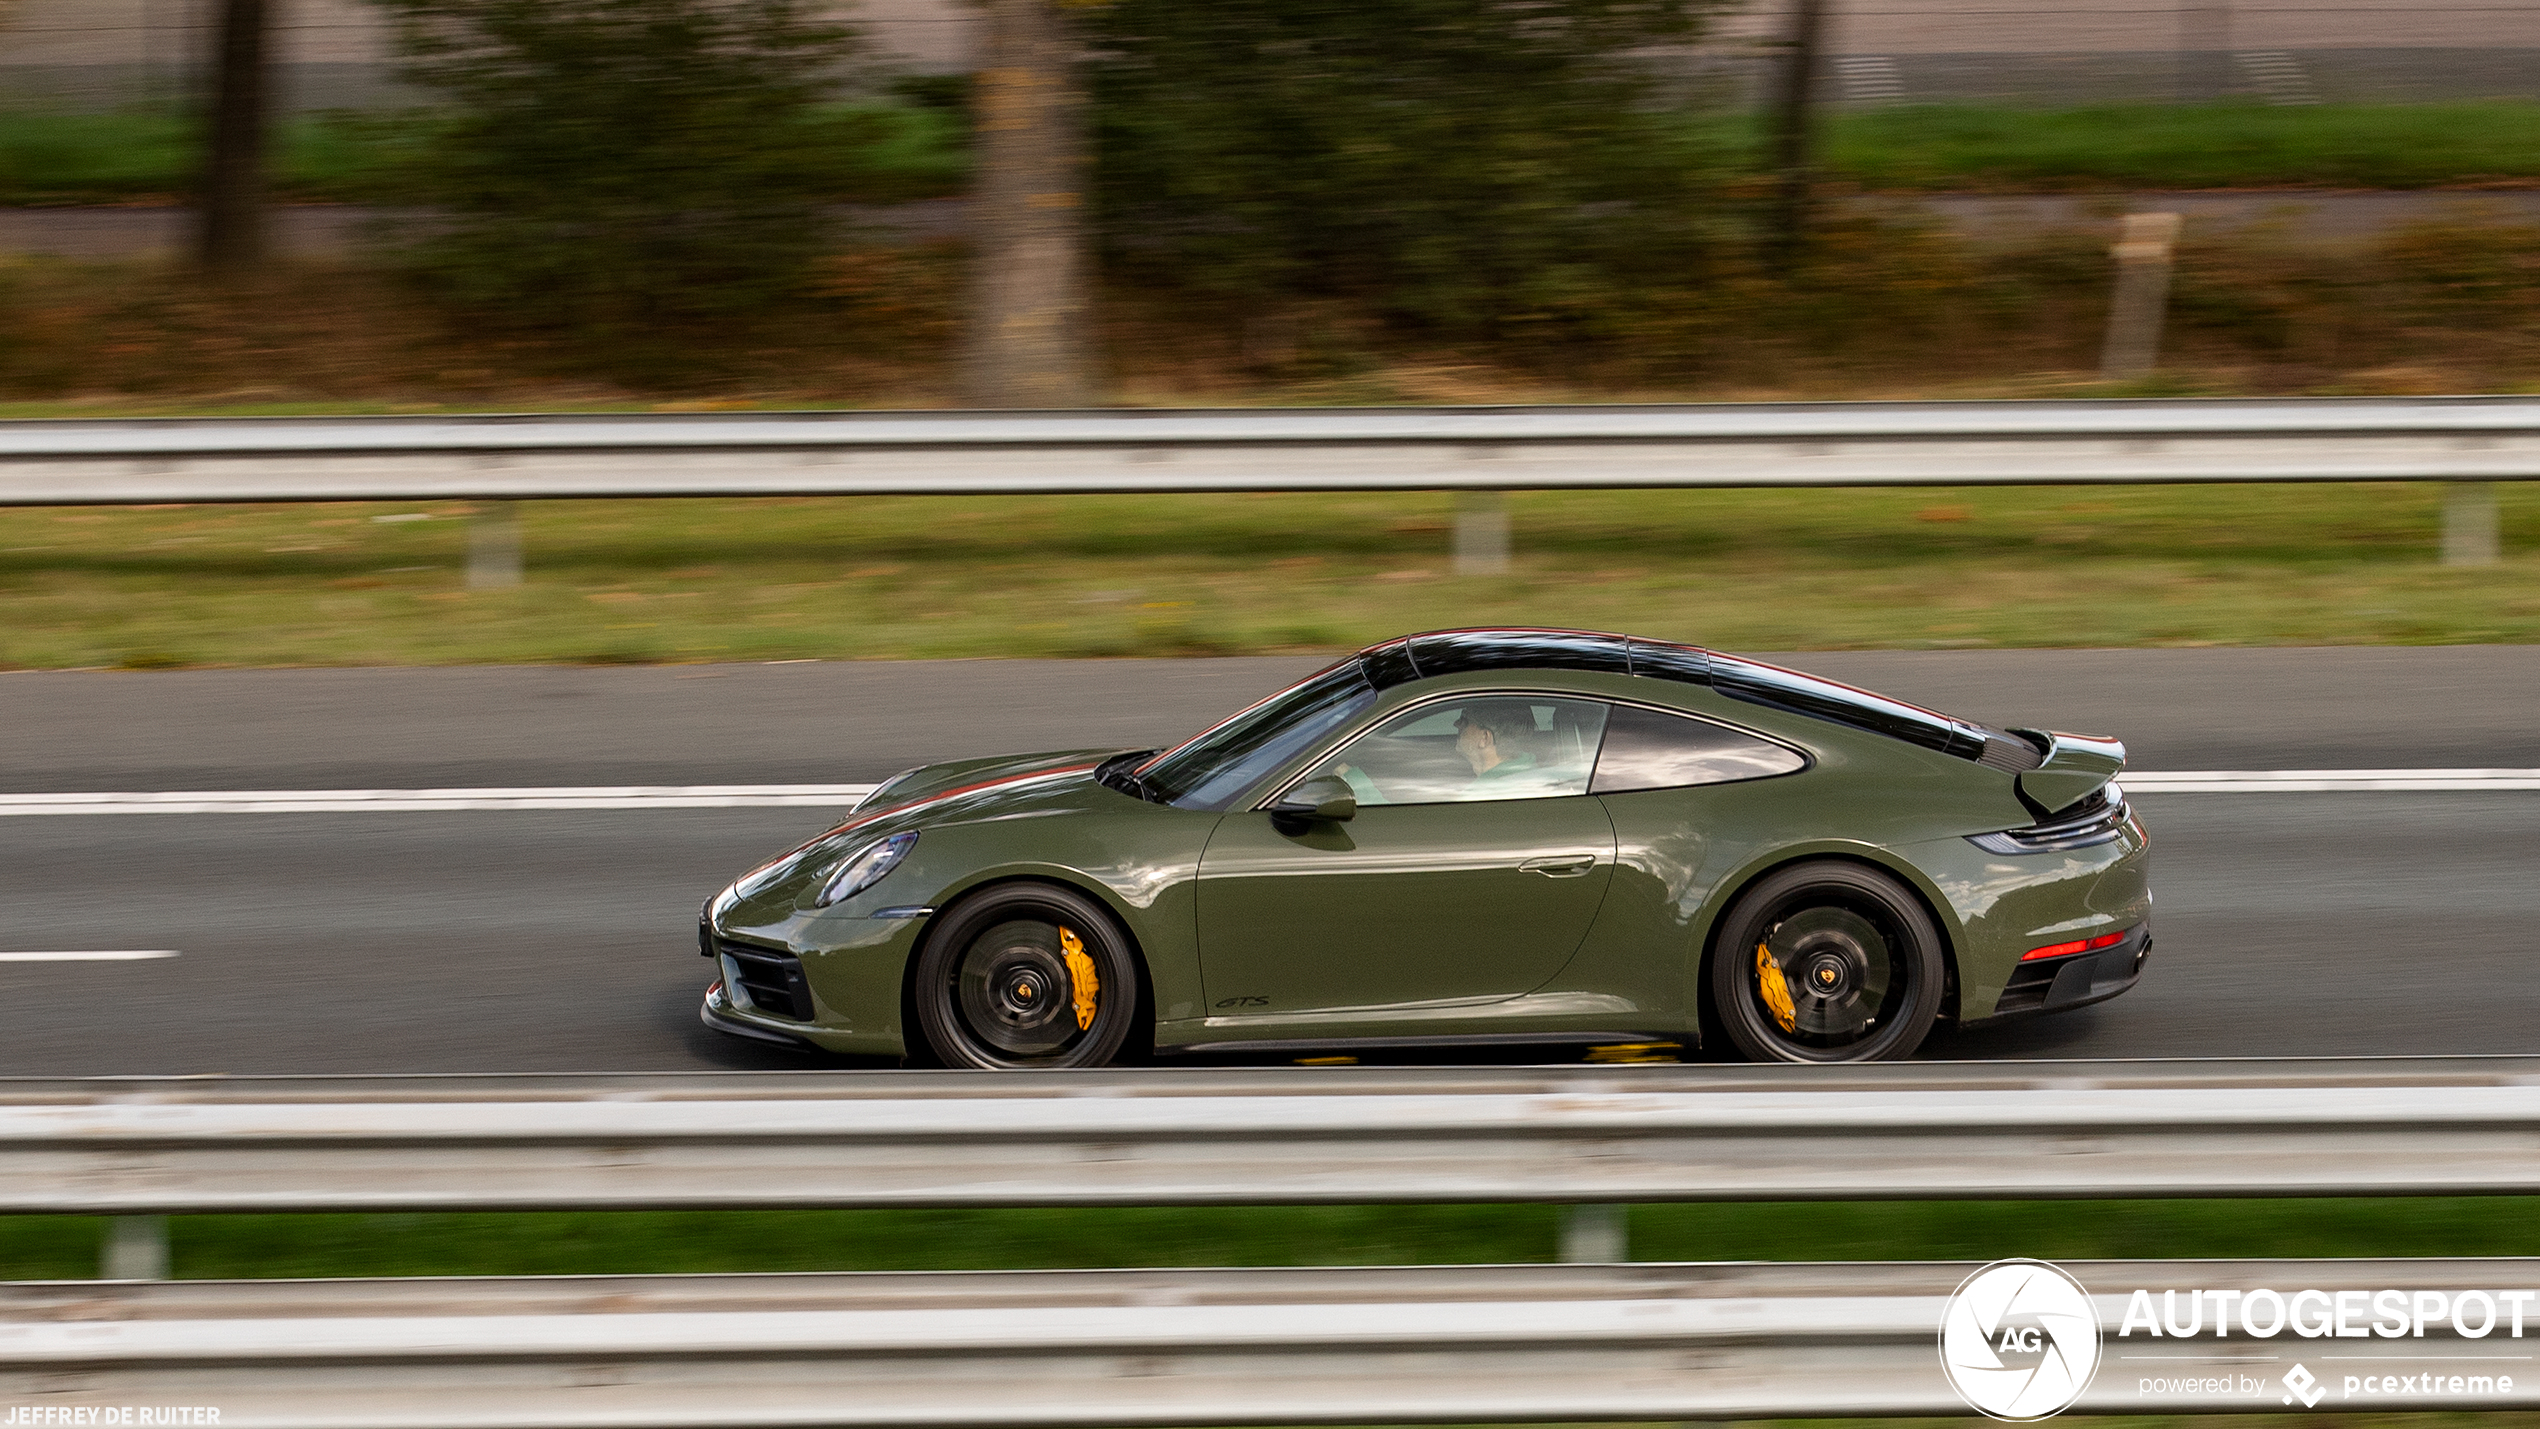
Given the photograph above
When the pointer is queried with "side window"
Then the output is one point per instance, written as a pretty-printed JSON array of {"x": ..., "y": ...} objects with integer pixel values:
[
  {"x": 1648, "y": 750},
  {"x": 1468, "y": 751}
]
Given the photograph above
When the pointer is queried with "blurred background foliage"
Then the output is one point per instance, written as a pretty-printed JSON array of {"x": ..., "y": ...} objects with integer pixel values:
[
  {"x": 1422, "y": 200},
  {"x": 619, "y": 167},
  {"x": 1474, "y": 167}
]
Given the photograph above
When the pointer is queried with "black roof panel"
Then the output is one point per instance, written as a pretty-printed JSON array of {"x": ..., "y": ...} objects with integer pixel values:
[{"x": 1456, "y": 652}]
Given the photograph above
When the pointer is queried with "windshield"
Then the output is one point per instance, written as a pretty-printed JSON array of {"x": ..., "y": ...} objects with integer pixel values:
[{"x": 1212, "y": 770}]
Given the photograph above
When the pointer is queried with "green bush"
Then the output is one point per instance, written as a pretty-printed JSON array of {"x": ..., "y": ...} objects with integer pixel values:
[
  {"x": 627, "y": 167},
  {"x": 1471, "y": 166},
  {"x": 52, "y": 157}
]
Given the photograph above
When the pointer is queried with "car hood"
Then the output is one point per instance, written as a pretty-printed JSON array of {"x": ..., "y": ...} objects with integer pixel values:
[
  {"x": 962, "y": 778},
  {"x": 964, "y": 791}
]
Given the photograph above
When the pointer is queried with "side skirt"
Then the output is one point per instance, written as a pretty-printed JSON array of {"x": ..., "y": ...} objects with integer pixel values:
[{"x": 1346, "y": 1045}]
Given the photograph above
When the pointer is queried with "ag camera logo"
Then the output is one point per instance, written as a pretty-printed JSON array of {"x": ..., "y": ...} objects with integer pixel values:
[{"x": 2019, "y": 1340}]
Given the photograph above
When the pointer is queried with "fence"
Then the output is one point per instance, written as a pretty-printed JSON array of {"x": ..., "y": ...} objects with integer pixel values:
[
  {"x": 1252, "y": 1136},
  {"x": 1459, "y": 1344},
  {"x": 2468, "y": 442},
  {"x": 1053, "y": 1350}
]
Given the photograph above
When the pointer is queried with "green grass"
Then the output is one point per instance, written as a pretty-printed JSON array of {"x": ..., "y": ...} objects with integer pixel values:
[
  {"x": 658, "y": 1242},
  {"x": 894, "y": 151},
  {"x": 910, "y": 577},
  {"x": 2184, "y": 146},
  {"x": 883, "y": 153}
]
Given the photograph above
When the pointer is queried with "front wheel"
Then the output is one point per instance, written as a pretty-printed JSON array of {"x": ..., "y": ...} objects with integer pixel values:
[
  {"x": 1827, "y": 962},
  {"x": 1027, "y": 975}
]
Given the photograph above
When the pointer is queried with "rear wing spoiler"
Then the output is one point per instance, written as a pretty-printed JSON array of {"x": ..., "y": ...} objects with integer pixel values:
[{"x": 2076, "y": 767}]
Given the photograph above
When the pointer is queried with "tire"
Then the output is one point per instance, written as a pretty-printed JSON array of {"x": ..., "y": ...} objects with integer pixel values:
[
  {"x": 996, "y": 987},
  {"x": 1858, "y": 959}
]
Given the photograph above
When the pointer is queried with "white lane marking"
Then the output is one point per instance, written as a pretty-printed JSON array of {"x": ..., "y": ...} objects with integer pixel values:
[
  {"x": 432, "y": 801},
  {"x": 839, "y": 796},
  {"x": 2327, "y": 781},
  {"x": 118, "y": 955}
]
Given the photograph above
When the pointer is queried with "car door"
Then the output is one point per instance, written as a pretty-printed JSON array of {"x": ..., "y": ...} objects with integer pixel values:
[{"x": 1451, "y": 884}]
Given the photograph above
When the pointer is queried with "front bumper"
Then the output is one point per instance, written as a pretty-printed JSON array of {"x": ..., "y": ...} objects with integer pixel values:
[
  {"x": 826, "y": 982},
  {"x": 718, "y": 1013}
]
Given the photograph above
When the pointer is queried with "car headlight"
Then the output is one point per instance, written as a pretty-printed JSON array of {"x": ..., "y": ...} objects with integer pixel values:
[{"x": 864, "y": 868}]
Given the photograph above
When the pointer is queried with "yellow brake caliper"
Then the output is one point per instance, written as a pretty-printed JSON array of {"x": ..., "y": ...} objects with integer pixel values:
[
  {"x": 1776, "y": 989},
  {"x": 1080, "y": 971}
]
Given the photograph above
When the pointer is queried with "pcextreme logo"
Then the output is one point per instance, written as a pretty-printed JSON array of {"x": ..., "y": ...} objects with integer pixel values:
[{"x": 2019, "y": 1340}]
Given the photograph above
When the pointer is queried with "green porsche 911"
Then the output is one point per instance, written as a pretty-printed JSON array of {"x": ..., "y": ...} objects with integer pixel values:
[{"x": 1499, "y": 837}]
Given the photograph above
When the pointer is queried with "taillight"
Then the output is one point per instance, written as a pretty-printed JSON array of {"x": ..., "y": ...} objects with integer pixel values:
[{"x": 2079, "y": 945}]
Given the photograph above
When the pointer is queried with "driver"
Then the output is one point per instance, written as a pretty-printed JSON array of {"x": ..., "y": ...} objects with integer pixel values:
[{"x": 1492, "y": 737}]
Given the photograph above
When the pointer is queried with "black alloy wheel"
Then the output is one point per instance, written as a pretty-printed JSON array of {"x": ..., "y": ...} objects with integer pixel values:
[
  {"x": 1827, "y": 962},
  {"x": 1027, "y": 975}
]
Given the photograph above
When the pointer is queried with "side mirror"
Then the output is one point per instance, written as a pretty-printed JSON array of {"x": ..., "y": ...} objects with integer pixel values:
[{"x": 1323, "y": 799}]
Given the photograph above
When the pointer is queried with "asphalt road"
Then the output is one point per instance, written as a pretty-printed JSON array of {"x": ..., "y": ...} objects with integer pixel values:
[{"x": 2301, "y": 924}]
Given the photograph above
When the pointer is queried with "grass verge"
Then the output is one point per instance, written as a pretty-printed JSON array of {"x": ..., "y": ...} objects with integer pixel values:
[
  {"x": 881, "y": 153},
  {"x": 2185, "y": 146},
  {"x": 667, "y": 1242},
  {"x": 641, "y": 582},
  {"x": 896, "y": 151}
]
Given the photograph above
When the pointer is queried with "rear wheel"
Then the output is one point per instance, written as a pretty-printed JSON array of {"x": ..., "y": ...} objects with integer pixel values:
[
  {"x": 1027, "y": 975},
  {"x": 1827, "y": 962}
]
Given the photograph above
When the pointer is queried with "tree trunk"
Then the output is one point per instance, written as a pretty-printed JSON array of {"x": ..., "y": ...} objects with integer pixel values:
[
  {"x": 1026, "y": 346},
  {"x": 233, "y": 197},
  {"x": 1794, "y": 127}
]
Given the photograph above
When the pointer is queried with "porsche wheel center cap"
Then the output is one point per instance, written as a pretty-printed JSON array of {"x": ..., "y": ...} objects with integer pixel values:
[{"x": 1827, "y": 975}]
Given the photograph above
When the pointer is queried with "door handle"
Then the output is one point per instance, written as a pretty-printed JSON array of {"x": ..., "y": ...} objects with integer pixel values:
[{"x": 1568, "y": 865}]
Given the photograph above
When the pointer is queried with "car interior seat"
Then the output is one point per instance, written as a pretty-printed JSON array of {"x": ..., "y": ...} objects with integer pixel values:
[{"x": 1571, "y": 743}]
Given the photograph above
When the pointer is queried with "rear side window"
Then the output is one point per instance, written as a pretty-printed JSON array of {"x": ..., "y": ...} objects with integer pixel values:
[{"x": 1648, "y": 750}]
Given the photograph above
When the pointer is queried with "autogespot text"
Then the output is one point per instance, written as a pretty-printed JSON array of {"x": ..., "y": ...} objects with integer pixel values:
[
  {"x": 2330, "y": 1314},
  {"x": 2317, "y": 1314}
]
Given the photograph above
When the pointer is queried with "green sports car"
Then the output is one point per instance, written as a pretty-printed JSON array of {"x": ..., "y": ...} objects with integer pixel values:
[{"x": 1502, "y": 837}]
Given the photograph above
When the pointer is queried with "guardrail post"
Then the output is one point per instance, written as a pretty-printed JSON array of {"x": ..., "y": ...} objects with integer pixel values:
[
  {"x": 2469, "y": 523},
  {"x": 493, "y": 546},
  {"x": 1595, "y": 1235},
  {"x": 1481, "y": 533},
  {"x": 136, "y": 1248},
  {"x": 2142, "y": 296}
]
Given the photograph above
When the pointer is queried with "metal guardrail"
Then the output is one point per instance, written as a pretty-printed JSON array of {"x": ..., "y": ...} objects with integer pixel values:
[
  {"x": 1272, "y": 1135},
  {"x": 1056, "y": 1350},
  {"x": 2138, "y": 782},
  {"x": 2472, "y": 439}
]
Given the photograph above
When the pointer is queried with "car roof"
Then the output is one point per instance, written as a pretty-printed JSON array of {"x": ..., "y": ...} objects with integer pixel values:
[{"x": 1434, "y": 653}]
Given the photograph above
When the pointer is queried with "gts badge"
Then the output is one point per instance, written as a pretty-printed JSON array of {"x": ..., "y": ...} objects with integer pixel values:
[{"x": 1243, "y": 1002}]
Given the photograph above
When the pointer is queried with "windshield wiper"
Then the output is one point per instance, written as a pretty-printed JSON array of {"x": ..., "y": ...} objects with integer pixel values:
[{"x": 1121, "y": 772}]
